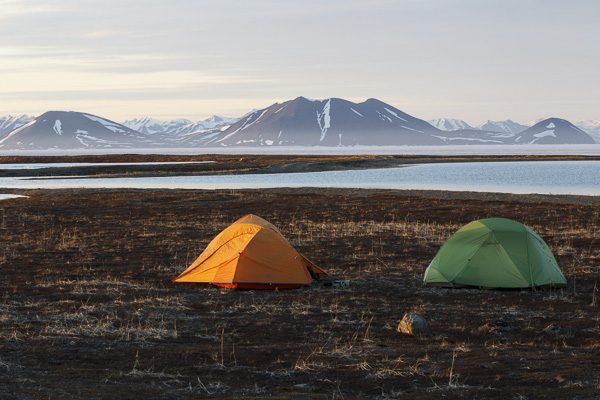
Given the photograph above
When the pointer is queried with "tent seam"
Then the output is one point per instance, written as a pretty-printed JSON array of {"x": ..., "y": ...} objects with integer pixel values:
[{"x": 468, "y": 259}]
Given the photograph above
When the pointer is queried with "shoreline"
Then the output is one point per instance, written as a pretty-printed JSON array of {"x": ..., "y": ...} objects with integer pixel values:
[
  {"x": 244, "y": 164},
  {"x": 351, "y": 192},
  {"x": 448, "y": 149}
]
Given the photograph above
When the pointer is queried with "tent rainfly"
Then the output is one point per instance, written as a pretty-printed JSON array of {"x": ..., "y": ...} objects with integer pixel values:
[
  {"x": 251, "y": 253},
  {"x": 494, "y": 253}
]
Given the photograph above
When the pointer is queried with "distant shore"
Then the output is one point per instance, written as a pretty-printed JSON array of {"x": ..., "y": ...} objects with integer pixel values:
[{"x": 245, "y": 163}]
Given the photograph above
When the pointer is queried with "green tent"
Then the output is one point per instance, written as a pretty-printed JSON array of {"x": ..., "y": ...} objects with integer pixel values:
[{"x": 494, "y": 253}]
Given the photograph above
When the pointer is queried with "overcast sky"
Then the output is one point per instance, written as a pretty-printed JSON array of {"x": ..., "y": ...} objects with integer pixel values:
[{"x": 469, "y": 59}]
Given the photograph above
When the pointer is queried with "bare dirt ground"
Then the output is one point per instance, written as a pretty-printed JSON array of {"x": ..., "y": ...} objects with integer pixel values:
[{"x": 88, "y": 311}]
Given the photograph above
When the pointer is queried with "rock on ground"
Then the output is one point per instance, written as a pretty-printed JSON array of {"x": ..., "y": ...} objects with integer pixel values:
[{"x": 414, "y": 324}]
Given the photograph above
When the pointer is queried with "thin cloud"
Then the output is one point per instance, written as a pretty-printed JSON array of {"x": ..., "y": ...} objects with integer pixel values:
[
  {"x": 477, "y": 60},
  {"x": 102, "y": 34},
  {"x": 16, "y": 8}
]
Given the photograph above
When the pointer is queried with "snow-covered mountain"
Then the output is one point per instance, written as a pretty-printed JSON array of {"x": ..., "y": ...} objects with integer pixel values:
[
  {"x": 70, "y": 130},
  {"x": 151, "y": 126},
  {"x": 9, "y": 123},
  {"x": 553, "y": 131},
  {"x": 592, "y": 127},
  {"x": 506, "y": 126},
  {"x": 217, "y": 121},
  {"x": 297, "y": 122},
  {"x": 177, "y": 128},
  {"x": 329, "y": 122},
  {"x": 449, "y": 124}
]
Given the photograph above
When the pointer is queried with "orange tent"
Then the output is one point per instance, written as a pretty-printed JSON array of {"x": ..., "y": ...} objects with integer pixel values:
[{"x": 251, "y": 253}]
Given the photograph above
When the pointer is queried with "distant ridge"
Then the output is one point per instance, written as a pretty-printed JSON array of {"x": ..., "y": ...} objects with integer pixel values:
[
  {"x": 329, "y": 122},
  {"x": 506, "y": 126},
  {"x": 298, "y": 122},
  {"x": 177, "y": 127},
  {"x": 592, "y": 127},
  {"x": 9, "y": 123},
  {"x": 450, "y": 124},
  {"x": 69, "y": 130},
  {"x": 554, "y": 131}
]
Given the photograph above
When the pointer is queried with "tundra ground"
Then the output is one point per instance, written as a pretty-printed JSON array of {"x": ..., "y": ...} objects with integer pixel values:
[{"x": 88, "y": 309}]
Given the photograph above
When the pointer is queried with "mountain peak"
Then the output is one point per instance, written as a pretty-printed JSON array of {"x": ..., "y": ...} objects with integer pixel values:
[
  {"x": 552, "y": 122},
  {"x": 372, "y": 100},
  {"x": 307, "y": 99},
  {"x": 450, "y": 124},
  {"x": 327, "y": 122},
  {"x": 71, "y": 129},
  {"x": 508, "y": 127},
  {"x": 300, "y": 121},
  {"x": 554, "y": 131}
]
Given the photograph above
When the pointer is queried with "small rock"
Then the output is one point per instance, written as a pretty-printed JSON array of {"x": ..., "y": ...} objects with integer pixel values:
[{"x": 414, "y": 324}]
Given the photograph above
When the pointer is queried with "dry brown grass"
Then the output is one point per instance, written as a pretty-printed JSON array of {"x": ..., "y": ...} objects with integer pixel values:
[{"x": 87, "y": 297}]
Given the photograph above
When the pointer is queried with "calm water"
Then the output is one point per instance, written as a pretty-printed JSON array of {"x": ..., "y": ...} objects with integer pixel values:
[{"x": 549, "y": 177}]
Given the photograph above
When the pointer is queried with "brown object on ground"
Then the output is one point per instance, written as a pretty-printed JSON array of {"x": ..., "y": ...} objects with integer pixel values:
[{"x": 413, "y": 324}]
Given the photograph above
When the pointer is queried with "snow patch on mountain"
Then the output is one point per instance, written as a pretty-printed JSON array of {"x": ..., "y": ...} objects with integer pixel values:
[
  {"x": 250, "y": 120},
  {"x": 508, "y": 126},
  {"x": 149, "y": 125},
  {"x": 450, "y": 124},
  {"x": 450, "y": 139},
  {"x": 16, "y": 131},
  {"x": 280, "y": 108},
  {"x": 356, "y": 112},
  {"x": 546, "y": 133},
  {"x": 324, "y": 119},
  {"x": 394, "y": 114},
  {"x": 383, "y": 116},
  {"x": 112, "y": 126},
  {"x": 9, "y": 123},
  {"x": 57, "y": 127}
]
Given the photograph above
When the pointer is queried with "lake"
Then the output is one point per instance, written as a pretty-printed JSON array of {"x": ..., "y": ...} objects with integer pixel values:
[{"x": 545, "y": 177}]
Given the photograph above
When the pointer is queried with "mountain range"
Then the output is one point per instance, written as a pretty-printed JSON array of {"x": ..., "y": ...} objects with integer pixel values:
[
  {"x": 152, "y": 126},
  {"x": 452, "y": 124},
  {"x": 297, "y": 122}
]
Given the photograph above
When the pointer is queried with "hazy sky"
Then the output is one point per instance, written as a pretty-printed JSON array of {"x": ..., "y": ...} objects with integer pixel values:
[{"x": 470, "y": 59}]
